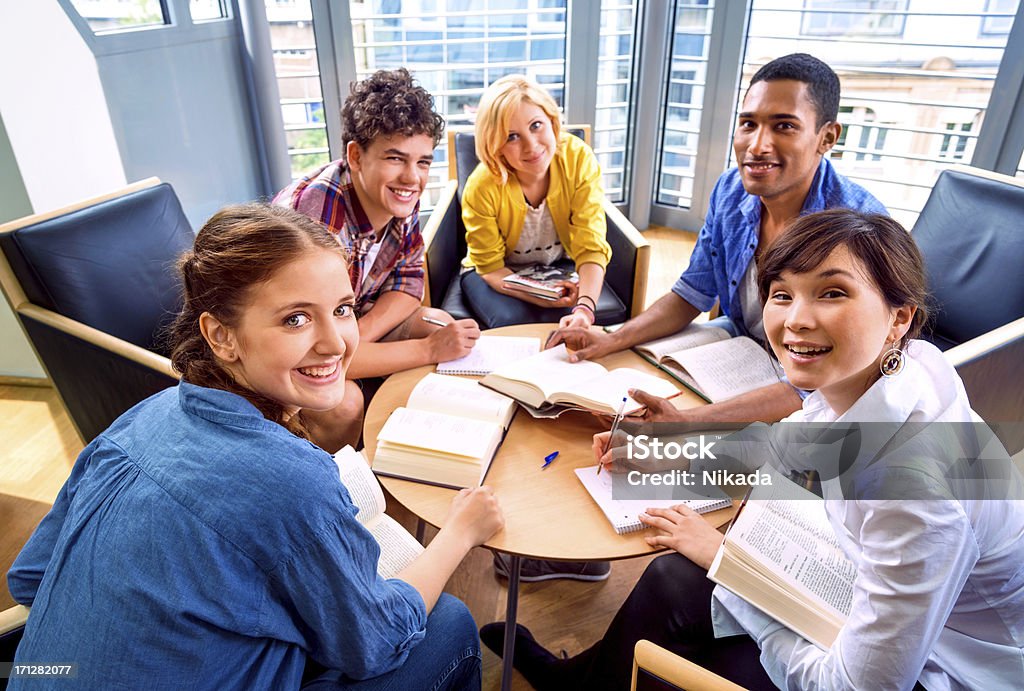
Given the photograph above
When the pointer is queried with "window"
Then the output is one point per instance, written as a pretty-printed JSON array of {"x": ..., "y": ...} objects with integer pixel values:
[
  {"x": 860, "y": 137},
  {"x": 614, "y": 94},
  {"x": 207, "y": 10},
  {"x": 105, "y": 16},
  {"x": 853, "y": 17},
  {"x": 682, "y": 105},
  {"x": 911, "y": 106},
  {"x": 999, "y": 25},
  {"x": 455, "y": 48},
  {"x": 298, "y": 82},
  {"x": 954, "y": 146}
]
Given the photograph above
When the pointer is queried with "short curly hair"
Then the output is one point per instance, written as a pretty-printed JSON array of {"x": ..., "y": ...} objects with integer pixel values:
[
  {"x": 822, "y": 82},
  {"x": 388, "y": 103}
]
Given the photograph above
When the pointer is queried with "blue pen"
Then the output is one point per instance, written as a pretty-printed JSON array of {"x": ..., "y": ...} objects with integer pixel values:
[{"x": 548, "y": 459}]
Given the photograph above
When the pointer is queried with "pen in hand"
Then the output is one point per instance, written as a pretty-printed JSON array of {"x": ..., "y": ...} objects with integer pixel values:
[
  {"x": 435, "y": 322},
  {"x": 615, "y": 428}
]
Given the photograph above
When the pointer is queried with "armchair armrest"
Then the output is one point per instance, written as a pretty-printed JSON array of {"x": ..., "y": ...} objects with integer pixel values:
[
  {"x": 678, "y": 671},
  {"x": 13, "y": 618},
  {"x": 96, "y": 375},
  {"x": 631, "y": 257},
  {"x": 442, "y": 239},
  {"x": 129, "y": 351},
  {"x": 990, "y": 368}
]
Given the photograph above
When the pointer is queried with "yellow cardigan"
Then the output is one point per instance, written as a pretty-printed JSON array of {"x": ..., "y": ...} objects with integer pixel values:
[{"x": 494, "y": 213}]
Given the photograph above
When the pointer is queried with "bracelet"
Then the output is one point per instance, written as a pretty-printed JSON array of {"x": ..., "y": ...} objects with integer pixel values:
[
  {"x": 593, "y": 303},
  {"x": 578, "y": 307}
]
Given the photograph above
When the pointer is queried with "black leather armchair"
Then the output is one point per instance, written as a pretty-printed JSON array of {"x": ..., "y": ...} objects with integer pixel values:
[
  {"x": 93, "y": 285},
  {"x": 971, "y": 234},
  {"x": 444, "y": 237}
]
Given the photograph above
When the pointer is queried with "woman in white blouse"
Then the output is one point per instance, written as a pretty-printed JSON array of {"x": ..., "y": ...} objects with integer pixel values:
[{"x": 938, "y": 599}]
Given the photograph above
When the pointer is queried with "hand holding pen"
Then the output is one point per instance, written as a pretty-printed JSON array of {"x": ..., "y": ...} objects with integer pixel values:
[
  {"x": 451, "y": 340},
  {"x": 611, "y": 435}
]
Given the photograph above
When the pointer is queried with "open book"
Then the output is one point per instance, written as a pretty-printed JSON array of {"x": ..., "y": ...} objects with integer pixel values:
[
  {"x": 397, "y": 546},
  {"x": 541, "y": 281},
  {"x": 782, "y": 556},
  {"x": 549, "y": 378},
  {"x": 711, "y": 363},
  {"x": 453, "y": 448},
  {"x": 489, "y": 353},
  {"x": 624, "y": 514}
]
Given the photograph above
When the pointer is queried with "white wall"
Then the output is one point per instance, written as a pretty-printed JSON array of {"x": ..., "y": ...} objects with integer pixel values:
[
  {"x": 55, "y": 114},
  {"x": 54, "y": 107}
]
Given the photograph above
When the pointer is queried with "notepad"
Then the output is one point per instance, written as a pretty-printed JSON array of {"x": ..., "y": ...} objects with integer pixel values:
[
  {"x": 489, "y": 353},
  {"x": 624, "y": 514}
]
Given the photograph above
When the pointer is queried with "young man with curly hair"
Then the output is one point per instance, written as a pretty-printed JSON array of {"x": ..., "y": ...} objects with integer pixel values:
[{"x": 370, "y": 200}]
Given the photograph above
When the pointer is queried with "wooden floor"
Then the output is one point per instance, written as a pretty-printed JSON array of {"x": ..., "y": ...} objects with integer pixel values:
[{"x": 40, "y": 445}]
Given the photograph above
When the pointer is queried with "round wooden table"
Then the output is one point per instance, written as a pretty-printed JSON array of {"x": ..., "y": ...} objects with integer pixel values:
[{"x": 548, "y": 513}]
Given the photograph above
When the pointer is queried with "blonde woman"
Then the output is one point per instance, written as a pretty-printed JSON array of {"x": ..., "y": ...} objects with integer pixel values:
[{"x": 535, "y": 198}]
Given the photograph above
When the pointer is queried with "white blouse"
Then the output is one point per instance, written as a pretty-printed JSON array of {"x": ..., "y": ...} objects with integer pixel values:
[
  {"x": 538, "y": 241},
  {"x": 939, "y": 592}
]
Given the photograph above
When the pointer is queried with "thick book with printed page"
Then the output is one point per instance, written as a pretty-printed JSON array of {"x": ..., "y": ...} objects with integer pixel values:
[
  {"x": 541, "y": 281},
  {"x": 624, "y": 514},
  {"x": 711, "y": 363},
  {"x": 781, "y": 555},
  {"x": 489, "y": 353},
  {"x": 453, "y": 448},
  {"x": 549, "y": 378},
  {"x": 397, "y": 547}
]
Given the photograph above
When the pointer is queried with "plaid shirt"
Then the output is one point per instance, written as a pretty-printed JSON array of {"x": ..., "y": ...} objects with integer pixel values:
[{"x": 328, "y": 196}]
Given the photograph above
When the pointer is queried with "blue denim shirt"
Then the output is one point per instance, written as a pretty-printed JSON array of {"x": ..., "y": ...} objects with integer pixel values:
[
  {"x": 726, "y": 244},
  {"x": 199, "y": 545}
]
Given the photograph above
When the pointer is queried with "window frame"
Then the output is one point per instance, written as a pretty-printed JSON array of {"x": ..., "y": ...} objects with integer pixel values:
[{"x": 810, "y": 11}]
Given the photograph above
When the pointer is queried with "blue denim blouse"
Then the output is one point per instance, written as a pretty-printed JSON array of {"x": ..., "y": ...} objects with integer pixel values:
[{"x": 198, "y": 545}]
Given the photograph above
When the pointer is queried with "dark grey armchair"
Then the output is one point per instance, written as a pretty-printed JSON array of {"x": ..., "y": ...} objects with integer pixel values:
[
  {"x": 93, "y": 285},
  {"x": 971, "y": 234}
]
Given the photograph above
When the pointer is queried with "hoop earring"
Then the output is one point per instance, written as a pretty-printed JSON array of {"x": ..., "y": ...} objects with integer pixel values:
[{"x": 892, "y": 362}]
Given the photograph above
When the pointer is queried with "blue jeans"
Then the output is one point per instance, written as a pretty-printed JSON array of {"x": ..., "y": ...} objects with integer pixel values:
[
  {"x": 448, "y": 657},
  {"x": 492, "y": 309}
]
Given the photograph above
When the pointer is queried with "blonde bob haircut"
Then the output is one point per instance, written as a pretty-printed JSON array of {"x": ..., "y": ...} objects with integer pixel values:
[{"x": 499, "y": 102}]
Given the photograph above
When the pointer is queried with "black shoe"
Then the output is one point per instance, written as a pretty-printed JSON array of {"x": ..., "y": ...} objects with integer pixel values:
[
  {"x": 534, "y": 661},
  {"x": 531, "y": 570}
]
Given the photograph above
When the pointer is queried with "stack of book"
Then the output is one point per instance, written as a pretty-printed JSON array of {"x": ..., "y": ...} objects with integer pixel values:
[{"x": 546, "y": 282}]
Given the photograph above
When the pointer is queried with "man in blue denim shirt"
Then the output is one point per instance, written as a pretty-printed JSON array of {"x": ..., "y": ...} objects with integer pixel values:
[{"x": 787, "y": 125}]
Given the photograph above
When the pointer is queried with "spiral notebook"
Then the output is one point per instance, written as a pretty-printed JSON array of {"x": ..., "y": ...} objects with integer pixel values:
[
  {"x": 623, "y": 514},
  {"x": 490, "y": 352}
]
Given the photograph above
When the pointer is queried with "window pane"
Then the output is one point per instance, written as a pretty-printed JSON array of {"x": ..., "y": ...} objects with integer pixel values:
[
  {"x": 912, "y": 104},
  {"x": 105, "y": 16},
  {"x": 206, "y": 10},
  {"x": 455, "y": 48},
  {"x": 298, "y": 81},
  {"x": 682, "y": 101},
  {"x": 854, "y": 17},
  {"x": 614, "y": 94}
]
